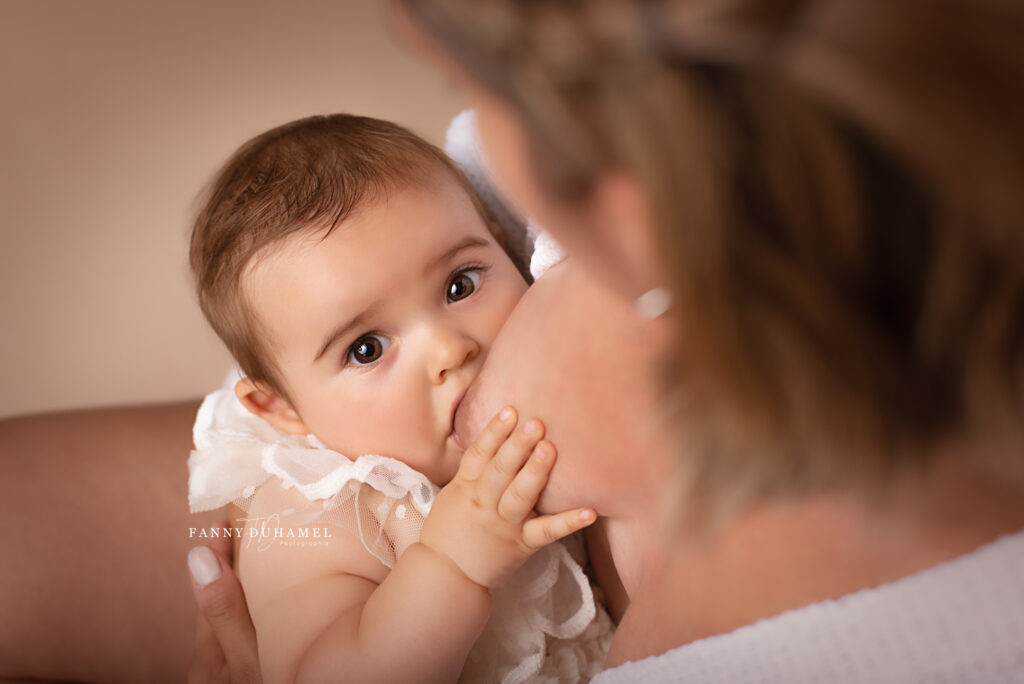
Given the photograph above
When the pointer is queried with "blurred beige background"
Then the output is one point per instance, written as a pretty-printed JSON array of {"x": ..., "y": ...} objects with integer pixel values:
[{"x": 114, "y": 114}]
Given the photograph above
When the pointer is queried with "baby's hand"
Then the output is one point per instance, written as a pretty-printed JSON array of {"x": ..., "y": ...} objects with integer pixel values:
[{"x": 483, "y": 520}]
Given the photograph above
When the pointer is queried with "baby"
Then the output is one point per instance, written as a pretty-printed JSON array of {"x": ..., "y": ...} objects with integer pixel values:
[{"x": 357, "y": 279}]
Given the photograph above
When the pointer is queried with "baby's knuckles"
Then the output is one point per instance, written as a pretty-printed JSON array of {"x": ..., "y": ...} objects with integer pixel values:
[{"x": 486, "y": 548}]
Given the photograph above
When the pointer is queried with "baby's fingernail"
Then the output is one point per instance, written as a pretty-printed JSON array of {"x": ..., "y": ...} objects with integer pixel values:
[
  {"x": 587, "y": 515},
  {"x": 203, "y": 565},
  {"x": 540, "y": 454},
  {"x": 506, "y": 414},
  {"x": 532, "y": 427}
]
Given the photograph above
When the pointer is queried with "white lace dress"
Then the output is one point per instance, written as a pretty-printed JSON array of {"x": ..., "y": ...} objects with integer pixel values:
[{"x": 546, "y": 624}]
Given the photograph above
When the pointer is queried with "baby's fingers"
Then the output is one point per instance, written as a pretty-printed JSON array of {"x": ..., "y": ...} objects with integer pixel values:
[
  {"x": 486, "y": 444},
  {"x": 521, "y": 495},
  {"x": 503, "y": 468},
  {"x": 550, "y": 528}
]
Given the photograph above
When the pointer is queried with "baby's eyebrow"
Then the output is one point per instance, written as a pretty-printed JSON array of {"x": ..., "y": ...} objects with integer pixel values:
[
  {"x": 465, "y": 243},
  {"x": 339, "y": 332}
]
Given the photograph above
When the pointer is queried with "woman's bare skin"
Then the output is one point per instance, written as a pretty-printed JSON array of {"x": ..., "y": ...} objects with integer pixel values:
[{"x": 95, "y": 529}]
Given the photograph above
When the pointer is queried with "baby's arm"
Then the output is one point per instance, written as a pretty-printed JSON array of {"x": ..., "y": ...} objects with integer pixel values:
[{"x": 327, "y": 612}]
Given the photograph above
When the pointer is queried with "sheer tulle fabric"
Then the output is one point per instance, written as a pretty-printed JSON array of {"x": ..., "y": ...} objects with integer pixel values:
[{"x": 546, "y": 625}]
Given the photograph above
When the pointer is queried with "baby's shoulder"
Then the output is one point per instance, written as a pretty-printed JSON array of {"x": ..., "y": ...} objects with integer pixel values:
[{"x": 284, "y": 542}]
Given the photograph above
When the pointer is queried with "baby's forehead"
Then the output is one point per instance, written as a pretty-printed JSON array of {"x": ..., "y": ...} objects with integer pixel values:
[
  {"x": 296, "y": 244},
  {"x": 366, "y": 226},
  {"x": 299, "y": 238}
]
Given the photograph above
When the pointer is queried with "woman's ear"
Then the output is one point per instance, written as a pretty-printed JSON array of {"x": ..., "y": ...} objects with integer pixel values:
[{"x": 270, "y": 406}]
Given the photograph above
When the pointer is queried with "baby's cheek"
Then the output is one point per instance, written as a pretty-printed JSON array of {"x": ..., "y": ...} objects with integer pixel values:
[{"x": 512, "y": 291}]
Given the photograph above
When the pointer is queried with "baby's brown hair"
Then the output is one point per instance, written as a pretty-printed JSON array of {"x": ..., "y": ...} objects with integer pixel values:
[{"x": 305, "y": 175}]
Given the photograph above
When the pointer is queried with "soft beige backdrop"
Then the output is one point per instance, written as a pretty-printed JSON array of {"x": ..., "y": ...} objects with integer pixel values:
[{"x": 114, "y": 115}]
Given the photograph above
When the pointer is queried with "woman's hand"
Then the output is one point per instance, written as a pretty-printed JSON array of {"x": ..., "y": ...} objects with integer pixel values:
[
  {"x": 225, "y": 650},
  {"x": 483, "y": 520}
]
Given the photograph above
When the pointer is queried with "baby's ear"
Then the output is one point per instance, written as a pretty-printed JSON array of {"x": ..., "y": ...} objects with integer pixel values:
[{"x": 270, "y": 406}]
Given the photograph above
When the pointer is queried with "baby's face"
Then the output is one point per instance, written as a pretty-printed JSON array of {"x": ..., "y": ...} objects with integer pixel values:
[{"x": 378, "y": 328}]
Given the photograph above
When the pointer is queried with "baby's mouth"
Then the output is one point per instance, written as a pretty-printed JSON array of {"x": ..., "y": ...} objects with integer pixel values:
[
  {"x": 462, "y": 431},
  {"x": 453, "y": 435}
]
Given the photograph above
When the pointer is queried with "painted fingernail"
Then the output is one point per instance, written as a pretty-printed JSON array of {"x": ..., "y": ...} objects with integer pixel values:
[
  {"x": 203, "y": 565},
  {"x": 506, "y": 414},
  {"x": 532, "y": 427}
]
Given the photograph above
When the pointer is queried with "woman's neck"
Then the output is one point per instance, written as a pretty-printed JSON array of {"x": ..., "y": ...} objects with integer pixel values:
[
  {"x": 633, "y": 521},
  {"x": 783, "y": 556},
  {"x": 634, "y": 548}
]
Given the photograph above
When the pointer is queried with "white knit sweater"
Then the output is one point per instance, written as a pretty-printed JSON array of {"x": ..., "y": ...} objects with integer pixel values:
[{"x": 959, "y": 621}]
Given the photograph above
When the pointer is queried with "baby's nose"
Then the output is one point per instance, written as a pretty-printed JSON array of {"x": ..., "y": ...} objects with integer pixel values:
[{"x": 452, "y": 350}]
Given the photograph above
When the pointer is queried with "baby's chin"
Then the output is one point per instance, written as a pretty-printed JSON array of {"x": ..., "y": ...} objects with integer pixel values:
[{"x": 450, "y": 465}]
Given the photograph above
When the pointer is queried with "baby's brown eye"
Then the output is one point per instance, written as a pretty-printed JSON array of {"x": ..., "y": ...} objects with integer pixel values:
[
  {"x": 367, "y": 349},
  {"x": 462, "y": 285}
]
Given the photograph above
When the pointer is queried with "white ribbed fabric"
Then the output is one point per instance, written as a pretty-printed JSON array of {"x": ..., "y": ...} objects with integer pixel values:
[{"x": 960, "y": 621}]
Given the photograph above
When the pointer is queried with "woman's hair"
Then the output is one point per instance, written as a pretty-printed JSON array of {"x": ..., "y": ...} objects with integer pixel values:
[{"x": 838, "y": 191}]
